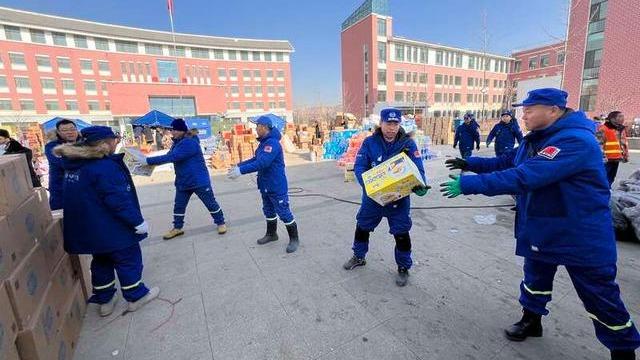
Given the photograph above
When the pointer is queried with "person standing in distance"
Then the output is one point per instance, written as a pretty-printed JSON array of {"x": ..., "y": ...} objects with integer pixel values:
[
  {"x": 467, "y": 135},
  {"x": 66, "y": 133}
]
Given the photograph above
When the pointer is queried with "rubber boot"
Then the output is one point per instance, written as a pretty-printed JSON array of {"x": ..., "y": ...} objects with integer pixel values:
[
  {"x": 272, "y": 233},
  {"x": 292, "y": 229},
  {"x": 529, "y": 326},
  {"x": 623, "y": 355}
]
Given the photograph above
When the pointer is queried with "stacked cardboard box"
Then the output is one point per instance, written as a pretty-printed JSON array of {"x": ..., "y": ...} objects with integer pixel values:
[
  {"x": 439, "y": 129},
  {"x": 41, "y": 298},
  {"x": 242, "y": 144}
]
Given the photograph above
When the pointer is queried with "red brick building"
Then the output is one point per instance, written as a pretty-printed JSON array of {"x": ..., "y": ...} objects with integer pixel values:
[{"x": 53, "y": 66}]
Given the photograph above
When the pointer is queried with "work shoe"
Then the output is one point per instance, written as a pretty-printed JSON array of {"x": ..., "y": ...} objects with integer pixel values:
[
  {"x": 173, "y": 233},
  {"x": 529, "y": 326},
  {"x": 136, "y": 305},
  {"x": 292, "y": 229},
  {"x": 354, "y": 262},
  {"x": 402, "y": 277},
  {"x": 107, "y": 308},
  {"x": 272, "y": 233},
  {"x": 623, "y": 355},
  {"x": 222, "y": 229}
]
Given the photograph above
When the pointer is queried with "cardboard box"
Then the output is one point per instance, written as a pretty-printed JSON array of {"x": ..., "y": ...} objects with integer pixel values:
[
  {"x": 15, "y": 182},
  {"x": 392, "y": 180},
  {"x": 8, "y": 328},
  {"x": 63, "y": 280},
  {"x": 13, "y": 249},
  {"x": 29, "y": 221},
  {"x": 27, "y": 285},
  {"x": 53, "y": 244},
  {"x": 73, "y": 318},
  {"x": 82, "y": 270}
]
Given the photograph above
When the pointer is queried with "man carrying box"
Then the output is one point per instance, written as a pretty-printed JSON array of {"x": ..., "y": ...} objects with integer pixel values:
[{"x": 386, "y": 142}]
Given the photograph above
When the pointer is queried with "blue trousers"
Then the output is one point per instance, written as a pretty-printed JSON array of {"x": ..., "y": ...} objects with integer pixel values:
[
  {"x": 599, "y": 292},
  {"x": 127, "y": 263},
  {"x": 277, "y": 206},
  {"x": 205, "y": 194},
  {"x": 465, "y": 153}
]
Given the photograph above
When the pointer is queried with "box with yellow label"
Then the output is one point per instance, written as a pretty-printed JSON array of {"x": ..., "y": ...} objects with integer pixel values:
[{"x": 392, "y": 180}]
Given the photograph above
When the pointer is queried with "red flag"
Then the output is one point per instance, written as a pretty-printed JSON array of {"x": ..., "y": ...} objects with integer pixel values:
[{"x": 170, "y": 6}]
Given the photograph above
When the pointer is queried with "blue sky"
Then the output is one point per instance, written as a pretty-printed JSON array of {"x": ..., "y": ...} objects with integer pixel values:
[{"x": 313, "y": 27}]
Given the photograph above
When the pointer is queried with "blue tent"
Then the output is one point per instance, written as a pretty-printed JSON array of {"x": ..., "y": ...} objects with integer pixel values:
[
  {"x": 50, "y": 125},
  {"x": 153, "y": 118},
  {"x": 277, "y": 122}
]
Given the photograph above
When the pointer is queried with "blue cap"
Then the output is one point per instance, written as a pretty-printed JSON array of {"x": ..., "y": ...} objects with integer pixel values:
[
  {"x": 391, "y": 115},
  {"x": 468, "y": 116},
  {"x": 263, "y": 120},
  {"x": 507, "y": 112},
  {"x": 179, "y": 125},
  {"x": 95, "y": 133},
  {"x": 546, "y": 96}
]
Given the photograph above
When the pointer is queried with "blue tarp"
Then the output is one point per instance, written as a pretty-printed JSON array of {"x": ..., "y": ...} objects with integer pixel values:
[
  {"x": 153, "y": 118},
  {"x": 278, "y": 122},
  {"x": 50, "y": 125},
  {"x": 202, "y": 124}
]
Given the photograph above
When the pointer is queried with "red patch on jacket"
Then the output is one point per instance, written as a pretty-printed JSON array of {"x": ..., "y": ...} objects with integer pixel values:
[
  {"x": 549, "y": 152},
  {"x": 417, "y": 153},
  {"x": 267, "y": 149}
]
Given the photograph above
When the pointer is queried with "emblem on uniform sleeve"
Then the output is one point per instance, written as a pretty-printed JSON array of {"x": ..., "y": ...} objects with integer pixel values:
[
  {"x": 549, "y": 152},
  {"x": 417, "y": 153},
  {"x": 268, "y": 149}
]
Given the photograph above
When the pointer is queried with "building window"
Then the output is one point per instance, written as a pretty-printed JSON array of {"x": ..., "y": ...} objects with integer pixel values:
[
  {"x": 101, "y": 44},
  {"x": 382, "y": 27},
  {"x": 469, "y": 98},
  {"x": 126, "y": 46},
  {"x": 438, "y": 79},
  {"x": 177, "y": 51},
  {"x": 271, "y": 90},
  {"x": 472, "y": 62},
  {"x": 167, "y": 71},
  {"x": 174, "y": 106},
  {"x": 153, "y": 49},
  {"x": 90, "y": 85},
  {"x": 218, "y": 54},
  {"x": 267, "y": 56},
  {"x": 281, "y": 90},
  {"x": 17, "y": 59},
  {"x": 248, "y": 91},
  {"x": 533, "y": 62},
  {"x": 48, "y": 83},
  {"x": 282, "y": 104},
  {"x": 244, "y": 55},
  {"x": 280, "y": 57},
  {"x": 469, "y": 82},
  {"x": 258, "y": 92},
  {"x": 103, "y": 86},
  {"x": 437, "y": 97},
  {"x": 235, "y": 90},
  {"x": 280, "y": 74},
  {"x": 399, "y": 52},
  {"x": 246, "y": 75},
  {"x": 107, "y": 105},
  {"x": 255, "y": 55},
  {"x": 222, "y": 74},
  {"x": 257, "y": 74},
  {"x": 459, "y": 60},
  {"x": 103, "y": 66},
  {"x": 544, "y": 61},
  {"x": 27, "y": 105},
  {"x": 398, "y": 76},
  {"x": 93, "y": 105},
  {"x": 382, "y": 77},
  {"x": 80, "y": 41},
  {"x": 382, "y": 52},
  {"x": 560, "y": 59},
  {"x": 12, "y": 33},
  {"x": 233, "y": 74},
  {"x": 457, "y": 97},
  {"x": 59, "y": 39},
  {"x": 269, "y": 74},
  {"x": 3, "y": 81},
  {"x": 200, "y": 53},
  {"x": 68, "y": 84},
  {"x": 439, "y": 57},
  {"x": 37, "y": 36},
  {"x": 233, "y": 54},
  {"x": 382, "y": 96},
  {"x": 22, "y": 83},
  {"x": 86, "y": 66},
  {"x": 43, "y": 61},
  {"x": 458, "y": 81},
  {"x": 248, "y": 105},
  {"x": 71, "y": 105},
  {"x": 423, "y": 78},
  {"x": 52, "y": 105},
  {"x": 398, "y": 96},
  {"x": 517, "y": 65},
  {"x": 5, "y": 105}
]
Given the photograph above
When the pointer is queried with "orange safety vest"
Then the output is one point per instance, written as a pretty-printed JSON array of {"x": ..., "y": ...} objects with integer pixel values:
[{"x": 614, "y": 146}]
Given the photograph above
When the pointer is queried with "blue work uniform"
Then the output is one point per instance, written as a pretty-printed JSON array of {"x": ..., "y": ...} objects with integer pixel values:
[
  {"x": 505, "y": 135},
  {"x": 56, "y": 175},
  {"x": 466, "y": 136},
  {"x": 101, "y": 212},
  {"x": 192, "y": 177},
  {"x": 375, "y": 150},
  {"x": 268, "y": 162},
  {"x": 562, "y": 218}
]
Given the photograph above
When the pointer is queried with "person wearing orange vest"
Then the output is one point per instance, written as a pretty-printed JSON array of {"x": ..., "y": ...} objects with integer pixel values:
[{"x": 614, "y": 143}]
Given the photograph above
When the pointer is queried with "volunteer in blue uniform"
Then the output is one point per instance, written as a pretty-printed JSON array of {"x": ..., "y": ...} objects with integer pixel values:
[
  {"x": 66, "y": 133},
  {"x": 102, "y": 217},
  {"x": 467, "y": 135},
  {"x": 272, "y": 182},
  {"x": 562, "y": 217},
  {"x": 505, "y": 133},
  {"x": 192, "y": 177},
  {"x": 387, "y": 141}
]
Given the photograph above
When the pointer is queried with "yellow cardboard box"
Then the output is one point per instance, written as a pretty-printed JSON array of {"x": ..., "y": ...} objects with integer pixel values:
[{"x": 392, "y": 180}]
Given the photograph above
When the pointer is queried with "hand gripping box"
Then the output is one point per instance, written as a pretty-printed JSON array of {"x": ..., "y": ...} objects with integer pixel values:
[{"x": 392, "y": 180}]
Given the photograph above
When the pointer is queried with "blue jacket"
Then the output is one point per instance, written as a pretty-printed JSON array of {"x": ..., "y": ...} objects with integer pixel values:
[
  {"x": 467, "y": 135},
  {"x": 188, "y": 163},
  {"x": 100, "y": 203},
  {"x": 56, "y": 175},
  {"x": 505, "y": 136},
  {"x": 269, "y": 163},
  {"x": 563, "y": 214},
  {"x": 375, "y": 150}
]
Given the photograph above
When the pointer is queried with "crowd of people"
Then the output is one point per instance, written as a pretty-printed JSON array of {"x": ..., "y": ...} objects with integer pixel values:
[{"x": 557, "y": 176}]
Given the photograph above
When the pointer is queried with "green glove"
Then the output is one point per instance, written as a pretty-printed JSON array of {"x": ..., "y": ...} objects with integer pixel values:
[
  {"x": 451, "y": 189},
  {"x": 421, "y": 190}
]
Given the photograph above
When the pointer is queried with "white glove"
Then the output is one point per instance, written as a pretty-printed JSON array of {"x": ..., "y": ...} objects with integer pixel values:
[
  {"x": 234, "y": 173},
  {"x": 142, "y": 228}
]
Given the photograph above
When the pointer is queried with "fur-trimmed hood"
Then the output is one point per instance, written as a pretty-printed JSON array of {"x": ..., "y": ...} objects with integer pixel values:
[{"x": 82, "y": 151}]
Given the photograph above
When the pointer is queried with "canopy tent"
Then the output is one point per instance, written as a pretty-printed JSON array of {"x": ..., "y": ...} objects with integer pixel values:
[
  {"x": 153, "y": 118},
  {"x": 50, "y": 125},
  {"x": 277, "y": 122}
]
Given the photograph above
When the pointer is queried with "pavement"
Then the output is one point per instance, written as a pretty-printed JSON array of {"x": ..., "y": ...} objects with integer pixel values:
[{"x": 225, "y": 297}]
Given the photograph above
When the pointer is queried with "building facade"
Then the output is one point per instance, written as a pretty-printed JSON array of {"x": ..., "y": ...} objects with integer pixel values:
[
  {"x": 108, "y": 74},
  {"x": 603, "y": 47},
  {"x": 380, "y": 69}
]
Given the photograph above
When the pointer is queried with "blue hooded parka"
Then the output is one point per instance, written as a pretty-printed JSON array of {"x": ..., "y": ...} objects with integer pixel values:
[
  {"x": 188, "y": 163},
  {"x": 505, "y": 135},
  {"x": 269, "y": 163},
  {"x": 467, "y": 135}
]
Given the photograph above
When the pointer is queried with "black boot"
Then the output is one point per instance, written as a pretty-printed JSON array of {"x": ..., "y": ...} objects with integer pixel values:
[
  {"x": 292, "y": 229},
  {"x": 529, "y": 325},
  {"x": 272, "y": 232},
  {"x": 623, "y": 355},
  {"x": 402, "y": 277}
]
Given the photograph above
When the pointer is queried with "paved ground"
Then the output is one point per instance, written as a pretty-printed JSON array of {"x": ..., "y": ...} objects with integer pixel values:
[{"x": 241, "y": 301}]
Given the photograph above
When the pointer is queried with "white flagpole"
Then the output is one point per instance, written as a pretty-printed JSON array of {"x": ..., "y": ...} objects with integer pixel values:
[{"x": 175, "y": 52}]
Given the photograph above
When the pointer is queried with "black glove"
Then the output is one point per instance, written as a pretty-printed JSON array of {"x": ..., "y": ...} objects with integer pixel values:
[
  {"x": 454, "y": 146},
  {"x": 456, "y": 163},
  {"x": 421, "y": 190},
  {"x": 478, "y": 147}
]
